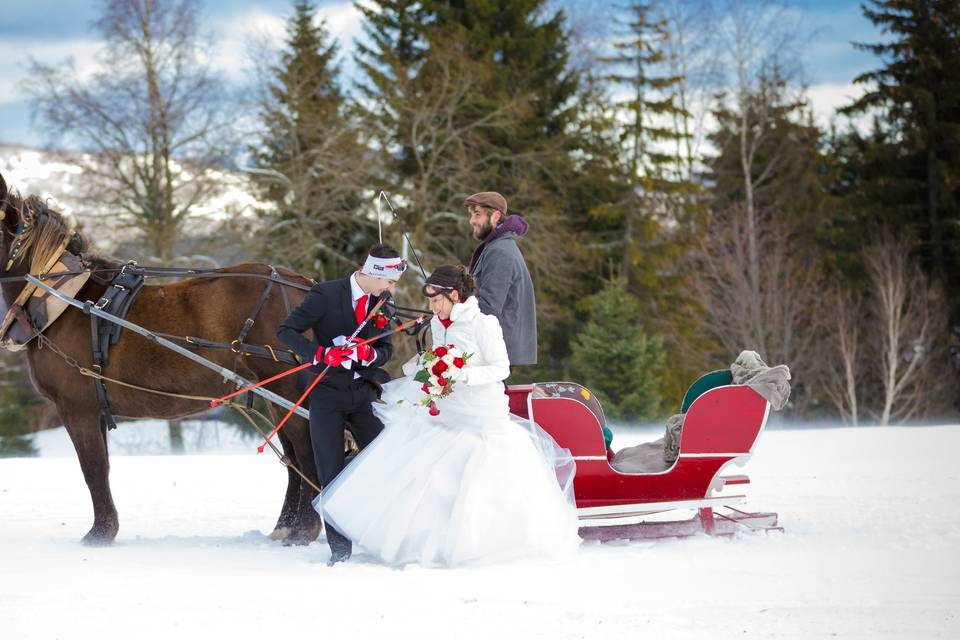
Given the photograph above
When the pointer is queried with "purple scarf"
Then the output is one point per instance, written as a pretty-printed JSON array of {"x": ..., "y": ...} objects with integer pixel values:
[{"x": 513, "y": 223}]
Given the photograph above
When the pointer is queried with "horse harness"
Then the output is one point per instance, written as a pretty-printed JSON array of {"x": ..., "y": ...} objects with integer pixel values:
[
  {"x": 33, "y": 312},
  {"x": 119, "y": 296}
]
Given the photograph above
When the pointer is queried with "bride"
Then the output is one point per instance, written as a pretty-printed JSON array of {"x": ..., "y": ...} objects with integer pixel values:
[{"x": 471, "y": 484}]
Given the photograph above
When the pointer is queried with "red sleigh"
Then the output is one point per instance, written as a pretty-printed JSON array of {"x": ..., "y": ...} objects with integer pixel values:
[{"x": 721, "y": 425}]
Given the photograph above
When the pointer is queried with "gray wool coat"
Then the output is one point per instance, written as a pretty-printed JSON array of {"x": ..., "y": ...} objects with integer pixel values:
[{"x": 505, "y": 290}]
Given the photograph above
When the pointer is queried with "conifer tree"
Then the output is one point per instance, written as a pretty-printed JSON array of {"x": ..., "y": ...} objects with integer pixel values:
[
  {"x": 471, "y": 96},
  {"x": 524, "y": 44},
  {"x": 648, "y": 138},
  {"x": 650, "y": 227},
  {"x": 913, "y": 158},
  {"x": 616, "y": 358},
  {"x": 311, "y": 164}
]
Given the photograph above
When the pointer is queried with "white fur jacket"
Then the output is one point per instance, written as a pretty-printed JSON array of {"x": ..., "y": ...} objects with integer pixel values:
[{"x": 476, "y": 334}]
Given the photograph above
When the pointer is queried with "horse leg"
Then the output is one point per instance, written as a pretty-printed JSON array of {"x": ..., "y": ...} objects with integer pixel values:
[
  {"x": 291, "y": 499},
  {"x": 89, "y": 440},
  {"x": 307, "y": 525}
]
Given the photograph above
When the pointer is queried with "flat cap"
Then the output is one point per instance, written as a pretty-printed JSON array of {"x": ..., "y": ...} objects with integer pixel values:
[{"x": 490, "y": 199}]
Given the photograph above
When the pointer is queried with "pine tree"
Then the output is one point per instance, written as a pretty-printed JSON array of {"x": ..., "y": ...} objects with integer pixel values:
[
  {"x": 471, "y": 96},
  {"x": 389, "y": 63},
  {"x": 524, "y": 45},
  {"x": 650, "y": 101},
  {"x": 650, "y": 227},
  {"x": 526, "y": 51},
  {"x": 914, "y": 155},
  {"x": 616, "y": 358},
  {"x": 311, "y": 164},
  {"x": 649, "y": 167}
]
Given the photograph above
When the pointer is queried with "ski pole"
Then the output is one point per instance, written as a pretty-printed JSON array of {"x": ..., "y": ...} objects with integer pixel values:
[
  {"x": 283, "y": 374},
  {"x": 353, "y": 336},
  {"x": 290, "y": 412},
  {"x": 321, "y": 376},
  {"x": 261, "y": 383}
]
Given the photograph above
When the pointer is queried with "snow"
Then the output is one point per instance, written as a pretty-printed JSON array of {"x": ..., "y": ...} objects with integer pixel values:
[
  {"x": 152, "y": 437},
  {"x": 870, "y": 550}
]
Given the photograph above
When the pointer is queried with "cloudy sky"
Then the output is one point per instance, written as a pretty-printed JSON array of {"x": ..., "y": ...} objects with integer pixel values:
[{"x": 54, "y": 30}]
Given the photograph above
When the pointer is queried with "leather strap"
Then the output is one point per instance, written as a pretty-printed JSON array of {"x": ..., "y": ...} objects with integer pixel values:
[{"x": 29, "y": 289}]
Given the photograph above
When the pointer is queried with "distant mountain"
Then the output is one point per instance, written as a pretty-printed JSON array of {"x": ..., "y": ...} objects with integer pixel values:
[{"x": 219, "y": 232}]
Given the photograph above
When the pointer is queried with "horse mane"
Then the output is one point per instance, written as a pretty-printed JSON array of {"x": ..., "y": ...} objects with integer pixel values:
[{"x": 45, "y": 231}]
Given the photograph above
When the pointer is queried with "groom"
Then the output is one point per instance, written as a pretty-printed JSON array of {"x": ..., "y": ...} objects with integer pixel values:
[{"x": 333, "y": 310}]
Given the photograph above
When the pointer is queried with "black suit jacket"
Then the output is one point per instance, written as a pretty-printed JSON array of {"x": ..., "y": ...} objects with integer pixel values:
[{"x": 328, "y": 310}]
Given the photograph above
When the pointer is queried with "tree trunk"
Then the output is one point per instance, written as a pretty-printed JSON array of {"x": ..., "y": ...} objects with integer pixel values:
[{"x": 175, "y": 428}]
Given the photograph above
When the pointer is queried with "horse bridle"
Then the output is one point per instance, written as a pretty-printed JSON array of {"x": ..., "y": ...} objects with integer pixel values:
[
  {"x": 17, "y": 242},
  {"x": 15, "y": 312}
]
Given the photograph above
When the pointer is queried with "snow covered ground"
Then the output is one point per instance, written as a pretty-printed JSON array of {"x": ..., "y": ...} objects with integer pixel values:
[{"x": 872, "y": 518}]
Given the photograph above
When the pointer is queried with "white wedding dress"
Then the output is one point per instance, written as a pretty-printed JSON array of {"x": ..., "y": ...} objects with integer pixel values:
[{"x": 470, "y": 485}]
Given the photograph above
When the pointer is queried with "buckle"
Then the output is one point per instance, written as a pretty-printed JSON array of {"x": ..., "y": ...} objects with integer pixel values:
[{"x": 101, "y": 303}]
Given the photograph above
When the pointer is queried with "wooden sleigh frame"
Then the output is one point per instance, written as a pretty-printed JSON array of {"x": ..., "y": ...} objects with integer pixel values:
[{"x": 721, "y": 426}]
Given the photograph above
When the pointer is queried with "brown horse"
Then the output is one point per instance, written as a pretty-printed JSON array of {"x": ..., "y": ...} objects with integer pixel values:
[{"x": 210, "y": 308}]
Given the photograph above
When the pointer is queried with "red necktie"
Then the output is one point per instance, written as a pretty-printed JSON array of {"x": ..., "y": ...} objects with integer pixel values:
[{"x": 361, "y": 310}]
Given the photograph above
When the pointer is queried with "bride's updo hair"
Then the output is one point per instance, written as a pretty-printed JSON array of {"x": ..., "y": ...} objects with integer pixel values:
[{"x": 451, "y": 278}]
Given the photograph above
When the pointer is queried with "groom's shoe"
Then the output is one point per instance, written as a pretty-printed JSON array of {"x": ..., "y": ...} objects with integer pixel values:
[{"x": 341, "y": 555}]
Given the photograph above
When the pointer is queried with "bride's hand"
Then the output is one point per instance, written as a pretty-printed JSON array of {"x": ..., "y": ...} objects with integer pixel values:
[{"x": 410, "y": 366}]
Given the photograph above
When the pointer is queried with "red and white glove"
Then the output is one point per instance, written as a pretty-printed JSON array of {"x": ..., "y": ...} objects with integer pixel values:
[
  {"x": 333, "y": 356},
  {"x": 365, "y": 353}
]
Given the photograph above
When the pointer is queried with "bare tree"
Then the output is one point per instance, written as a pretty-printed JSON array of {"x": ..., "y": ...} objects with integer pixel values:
[
  {"x": 756, "y": 42},
  {"x": 908, "y": 319},
  {"x": 842, "y": 361},
  {"x": 589, "y": 29},
  {"x": 775, "y": 314},
  {"x": 151, "y": 117},
  {"x": 760, "y": 289},
  {"x": 435, "y": 127}
]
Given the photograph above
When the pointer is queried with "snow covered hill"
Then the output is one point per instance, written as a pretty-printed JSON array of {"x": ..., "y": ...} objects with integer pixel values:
[
  {"x": 872, "y": 518},
  {"x": 56, "y": 175}
]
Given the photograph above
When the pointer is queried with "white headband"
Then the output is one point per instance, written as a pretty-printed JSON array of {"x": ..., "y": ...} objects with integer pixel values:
[{"x": 389, "y": 268}]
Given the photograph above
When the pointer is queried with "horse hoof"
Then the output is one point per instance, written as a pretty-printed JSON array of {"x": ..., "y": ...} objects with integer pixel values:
[
  {"x": 101, "y": 535},
  {"x": 301, "y": 537},
  {"x": 98, "y": 538},
  {"x": 280, "y": 533},
  {"x": 297, "y": 541}
]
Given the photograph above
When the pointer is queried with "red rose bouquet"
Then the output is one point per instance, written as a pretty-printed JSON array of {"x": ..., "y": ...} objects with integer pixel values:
[{"x": 442, "y": 366}]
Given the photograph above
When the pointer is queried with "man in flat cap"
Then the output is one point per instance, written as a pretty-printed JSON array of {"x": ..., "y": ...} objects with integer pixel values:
[{"x": 504, "y": 287}]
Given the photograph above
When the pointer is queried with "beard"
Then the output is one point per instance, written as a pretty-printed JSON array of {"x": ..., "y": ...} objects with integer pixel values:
[{"x": 484, "y": 231}]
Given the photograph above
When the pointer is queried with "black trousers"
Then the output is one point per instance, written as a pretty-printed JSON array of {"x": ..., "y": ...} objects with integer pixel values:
[{"x": 333, "y": 409}]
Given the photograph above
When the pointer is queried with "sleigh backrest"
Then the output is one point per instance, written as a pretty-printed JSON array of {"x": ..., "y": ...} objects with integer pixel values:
[
  {"x": 571, "y": 414},
  {"x": 704, "y": 383},
  {"x": 723, "y": 420}
]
